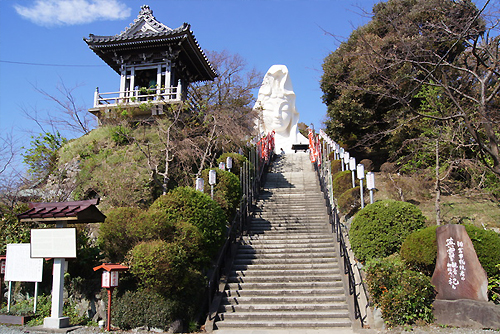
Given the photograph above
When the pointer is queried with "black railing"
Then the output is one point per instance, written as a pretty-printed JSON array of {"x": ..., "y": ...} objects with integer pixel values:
[
  {"x": 252, "y": 175},
  {"x": 324, "y": 175}
]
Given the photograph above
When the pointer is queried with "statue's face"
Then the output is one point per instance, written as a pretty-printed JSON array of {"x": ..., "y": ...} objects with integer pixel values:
[{"x": 277, "y": 113}]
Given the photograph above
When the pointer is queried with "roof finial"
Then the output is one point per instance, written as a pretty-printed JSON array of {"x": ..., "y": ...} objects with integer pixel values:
[{"x": 145, "y": 10}]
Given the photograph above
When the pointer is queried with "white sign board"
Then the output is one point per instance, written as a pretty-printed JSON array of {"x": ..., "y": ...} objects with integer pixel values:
[
  {"x": 20, "y": 267},
  {"x": 53, "y": 242}
]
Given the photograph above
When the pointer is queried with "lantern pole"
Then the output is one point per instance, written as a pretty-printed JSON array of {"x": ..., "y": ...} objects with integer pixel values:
[
  {"x": 108, "y": 320},
  {"x": 361, "y": 175}
]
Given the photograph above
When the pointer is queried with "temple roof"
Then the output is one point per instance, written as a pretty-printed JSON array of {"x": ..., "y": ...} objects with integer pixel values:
[{"x": 145, "y": 35}]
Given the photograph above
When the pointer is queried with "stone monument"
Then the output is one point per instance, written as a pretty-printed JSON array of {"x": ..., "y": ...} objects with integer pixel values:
[
  {"x": 276, "y": 106},
  {"x": 458, "y": 273},
  {"x": 461, "y": 283}
]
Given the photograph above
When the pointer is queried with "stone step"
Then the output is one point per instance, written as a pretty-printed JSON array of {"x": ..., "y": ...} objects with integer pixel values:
[
  {"x": 292, "y": 237},
  {"x": 285, "y": 300},
  {"x": 284, "y": 292},
  {"x": 285, "y": 266},
  {"x": 283, "y": 244},
  {"x": 306, "y": 250},
  {"x": 301, "y": 256},
  {"x": 285, "y": 261},
  {"x": 264, "y": 286},
  {"x": 281, "y": 279},
  {"x": 280, "y": 315},
  {"x": 291, "y": 272},
  {"x": 287, "y": 243},
  {"x": 291, "y": 308},
  {"x": 305, "y": 324}
]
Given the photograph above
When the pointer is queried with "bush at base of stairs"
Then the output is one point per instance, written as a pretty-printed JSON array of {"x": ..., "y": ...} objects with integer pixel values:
[
  {"x": 403, "y": 295},
  {"x": 379, "y": 229},
  {"x": 142, "y": 309}
]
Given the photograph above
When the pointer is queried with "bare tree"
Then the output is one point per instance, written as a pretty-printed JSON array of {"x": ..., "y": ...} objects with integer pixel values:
[{"x": 67, "y": 116}]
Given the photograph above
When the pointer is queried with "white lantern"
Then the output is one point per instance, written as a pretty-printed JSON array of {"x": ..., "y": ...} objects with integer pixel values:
[
  {"x": 200, "y": 184},
  {"x": 229, "y": 163},
  {"x": 352, "y": 163},
  {"x": 370, "y": 180},
  {"x": 360, "y": 171},
  {"x": 110, "y": 279},
  {"x": 222, "y": 165},
  {"x": 347, "y": 156},
  {"x": 212, "y": 177}
]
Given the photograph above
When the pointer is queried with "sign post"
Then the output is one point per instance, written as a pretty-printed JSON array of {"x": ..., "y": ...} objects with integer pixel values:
[
  {"x": 2, "y": 272},
  {"x": 110, "y": 278}
]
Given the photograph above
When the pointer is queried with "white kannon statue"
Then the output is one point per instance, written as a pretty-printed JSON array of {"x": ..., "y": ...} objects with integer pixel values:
[{"x": 276, "y": 105}]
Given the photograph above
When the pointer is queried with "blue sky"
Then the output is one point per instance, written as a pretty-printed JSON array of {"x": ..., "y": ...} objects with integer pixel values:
[{"x": 263, "y": 32}]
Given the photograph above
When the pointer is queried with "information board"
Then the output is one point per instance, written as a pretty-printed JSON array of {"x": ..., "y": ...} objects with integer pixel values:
[
  {"x": 53, "y": 243},
  {"x": 20, "y": 267}
]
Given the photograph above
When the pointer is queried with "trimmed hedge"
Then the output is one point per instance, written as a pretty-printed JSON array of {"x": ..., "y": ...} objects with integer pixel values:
[
  {"x": 142, "y": 309},
  {"x": 238, "y": 161},
  {"x": 379, "y": 229},
  {"x": 349, "y": 201},
  {"x": 342, "y": 181},
  {"x": 188, "y": 205},
  {"x": 420, "y": 249},
  {"x": 227, "y": 190},
  {"x": 117, "y": 235},
  {"x": 336, "y": 166}
]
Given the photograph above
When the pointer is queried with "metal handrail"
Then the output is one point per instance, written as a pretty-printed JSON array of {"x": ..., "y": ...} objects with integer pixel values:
[
  {"x": 251, "y": 177},
  {"x": 325, "y": 178}
]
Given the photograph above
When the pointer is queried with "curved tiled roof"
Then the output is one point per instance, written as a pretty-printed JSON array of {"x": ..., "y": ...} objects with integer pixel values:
[{"x": 146, "y": 30}]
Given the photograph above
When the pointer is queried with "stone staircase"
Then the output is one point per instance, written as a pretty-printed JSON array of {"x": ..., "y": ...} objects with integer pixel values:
[{"x": 286, "y": 274}]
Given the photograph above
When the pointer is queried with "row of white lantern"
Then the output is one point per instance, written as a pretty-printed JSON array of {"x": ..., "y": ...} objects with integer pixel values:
[
  {"x": 212, "y": 176},
  {"x": 348, "y": 162}
]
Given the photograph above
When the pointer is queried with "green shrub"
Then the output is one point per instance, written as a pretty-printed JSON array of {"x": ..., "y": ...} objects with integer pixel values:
[
  {"x": 188, "y": 205},
  {"x": 336, "y": 167},
  {"x": 403, "y": 295},
  {"x": 419, "y": 250},
  {"x": 349, "y": 201},
  {"x": 227, "y": 190},
  {"x": 379, "y": 229},
  {"x": 117, "y": 235},
  {"x": 142, "y": 308},
  {"x": 487, "y": 246},
  {"x": 120, "y": 134},
  {"x": 238, "y": 161},
  {"x": 44, "y": 303},
  {"x": 342, "y": 182}
]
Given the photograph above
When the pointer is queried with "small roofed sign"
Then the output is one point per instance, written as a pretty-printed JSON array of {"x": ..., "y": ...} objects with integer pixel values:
[
  {"x": 53, "y": 243},
  {"x": 458, "y": 273}
]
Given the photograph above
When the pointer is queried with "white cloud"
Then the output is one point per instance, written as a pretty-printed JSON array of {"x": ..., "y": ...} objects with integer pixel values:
[{"x": 71, "y": 12}]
